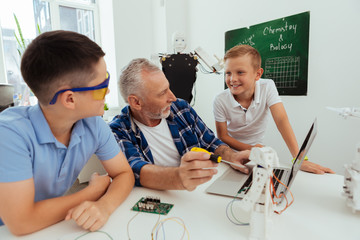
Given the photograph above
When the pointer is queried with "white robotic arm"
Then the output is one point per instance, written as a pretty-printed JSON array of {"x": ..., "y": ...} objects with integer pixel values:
[
  {"x": 352, "y": 182},
  {"x": 258, "y": 199},
  {"x": 352, "y": 171},
  {"x": 346, "y": 112},
  {"x": 215, "y": 64}
]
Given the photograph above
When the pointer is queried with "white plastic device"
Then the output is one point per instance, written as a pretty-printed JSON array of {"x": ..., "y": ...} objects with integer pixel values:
[
  {"x": 346, "y": 111},
  {"x": 215, "y": 64},
  {"x": 352, "y": 182},
  {"x": 352, "y": 171},
  {"x": 258, "y": 199}
]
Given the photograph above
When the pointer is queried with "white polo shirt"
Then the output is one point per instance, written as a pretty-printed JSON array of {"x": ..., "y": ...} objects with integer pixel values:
[{"x": 247, "y": 126}]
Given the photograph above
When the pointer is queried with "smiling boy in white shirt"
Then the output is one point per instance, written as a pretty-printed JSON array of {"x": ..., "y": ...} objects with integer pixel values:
[{"x": 241, "y": 112}]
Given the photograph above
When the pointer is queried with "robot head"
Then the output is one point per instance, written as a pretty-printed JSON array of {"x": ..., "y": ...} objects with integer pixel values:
[{"x": 179, "y": 41}]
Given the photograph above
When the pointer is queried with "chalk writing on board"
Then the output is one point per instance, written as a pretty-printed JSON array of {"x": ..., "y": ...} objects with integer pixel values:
[
  {"x": 281, "y": 29},
  {"x": 248, "y": 40}
]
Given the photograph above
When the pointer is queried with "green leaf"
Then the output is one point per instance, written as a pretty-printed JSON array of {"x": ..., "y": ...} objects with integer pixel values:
[
  {"x": 38, "y": 28},
  {"x": 20, "y": 39}
]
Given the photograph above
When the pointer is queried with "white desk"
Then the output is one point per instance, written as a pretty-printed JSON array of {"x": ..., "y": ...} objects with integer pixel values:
[{"x": 318, "y": 212}]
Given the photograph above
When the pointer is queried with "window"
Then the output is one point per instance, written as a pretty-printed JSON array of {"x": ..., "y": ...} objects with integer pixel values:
[{"x": 77, "y": 15}]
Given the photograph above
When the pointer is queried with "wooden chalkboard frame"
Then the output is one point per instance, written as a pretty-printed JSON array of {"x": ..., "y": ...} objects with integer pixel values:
[{"x": 283, "y": 45}]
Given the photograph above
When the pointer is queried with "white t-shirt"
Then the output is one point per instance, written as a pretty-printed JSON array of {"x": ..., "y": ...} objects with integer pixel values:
[
  {"x": 247, "y": 126},
  {"x": 161, "y": 144}
]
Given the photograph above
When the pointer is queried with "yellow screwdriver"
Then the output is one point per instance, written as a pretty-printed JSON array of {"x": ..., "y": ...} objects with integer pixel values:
[{"x": 214, "y": 157}]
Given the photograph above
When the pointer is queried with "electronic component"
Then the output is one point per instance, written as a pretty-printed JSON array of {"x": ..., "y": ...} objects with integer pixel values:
[{"x": 152, "y": 205}]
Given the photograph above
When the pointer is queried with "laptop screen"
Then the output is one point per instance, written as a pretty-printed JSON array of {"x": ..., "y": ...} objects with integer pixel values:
[{"x": 303, "y": 151}]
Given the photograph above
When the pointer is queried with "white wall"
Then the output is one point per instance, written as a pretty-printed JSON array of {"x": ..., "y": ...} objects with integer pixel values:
[
  {"x": 133, "y": 26},
  {"x": 108, "y": 45},
  {"x": 333, "y": 61}
]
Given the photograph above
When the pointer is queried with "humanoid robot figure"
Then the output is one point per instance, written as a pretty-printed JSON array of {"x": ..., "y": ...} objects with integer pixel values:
[{"x": 180, "y": 68}]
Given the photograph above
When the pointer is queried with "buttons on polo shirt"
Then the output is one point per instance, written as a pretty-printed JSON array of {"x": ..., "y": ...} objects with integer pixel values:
[{"x": 244, "y": 109}]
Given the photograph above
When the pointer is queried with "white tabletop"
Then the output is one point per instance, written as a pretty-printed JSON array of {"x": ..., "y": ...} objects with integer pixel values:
[{"x": 318, "y": 212}]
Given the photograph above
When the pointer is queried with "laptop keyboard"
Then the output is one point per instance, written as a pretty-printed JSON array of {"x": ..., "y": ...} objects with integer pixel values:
[
  {"x": 247, "y": 183},
  {"x": 277, "y": 172}
]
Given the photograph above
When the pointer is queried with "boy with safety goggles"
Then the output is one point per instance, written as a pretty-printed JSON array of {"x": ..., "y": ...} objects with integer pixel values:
[{"x": 48, "y": 144}]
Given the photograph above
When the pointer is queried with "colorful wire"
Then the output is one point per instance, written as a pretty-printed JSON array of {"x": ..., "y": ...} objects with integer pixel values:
[
  {"x": 94, "y": 232},
  {"x": 128, "y": 224},
  {"x": 157, "y": 222},
  {"x": 230, "y": 204},
  {"x": 273, "y": 192},
  {"x": 161, "y": 223}
]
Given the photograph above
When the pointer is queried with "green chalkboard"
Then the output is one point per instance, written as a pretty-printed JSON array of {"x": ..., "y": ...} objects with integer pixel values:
[{"x": 284, "y": 45}]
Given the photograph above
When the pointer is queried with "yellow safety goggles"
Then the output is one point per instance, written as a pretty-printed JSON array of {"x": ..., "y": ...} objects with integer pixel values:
[{"x": 99, "y": 91}]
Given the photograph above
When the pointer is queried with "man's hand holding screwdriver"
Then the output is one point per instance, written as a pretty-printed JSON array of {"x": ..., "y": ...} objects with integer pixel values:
[
  {"x": 237, "y": 158},
  {"x": 195, "y": 169}
]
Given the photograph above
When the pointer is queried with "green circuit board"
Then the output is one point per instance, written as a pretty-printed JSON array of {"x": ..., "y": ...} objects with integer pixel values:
[{"x": 152, "y": 205}]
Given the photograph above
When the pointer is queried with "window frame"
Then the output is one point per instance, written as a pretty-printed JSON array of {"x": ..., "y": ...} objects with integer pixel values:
[
  {"x": 55, "y": 13},
  {"x": 54, "y": 6},
  {"x": 3, "y": 75}
]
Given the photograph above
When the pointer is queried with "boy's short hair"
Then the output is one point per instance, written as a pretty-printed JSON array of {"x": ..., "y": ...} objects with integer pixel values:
[
  {"x": 242, "y": 50},
  {"x": 57, "y": 59}
]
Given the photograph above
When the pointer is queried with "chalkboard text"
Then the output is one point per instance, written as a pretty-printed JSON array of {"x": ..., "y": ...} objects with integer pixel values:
[
  {"x": 285, "y": 28},
  {"x": 279, "y": 47},
  {"x": 248, "y": 40}
]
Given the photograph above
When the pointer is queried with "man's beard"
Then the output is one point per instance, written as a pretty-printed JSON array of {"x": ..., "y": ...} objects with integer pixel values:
[{"x": 163, "y": 114}]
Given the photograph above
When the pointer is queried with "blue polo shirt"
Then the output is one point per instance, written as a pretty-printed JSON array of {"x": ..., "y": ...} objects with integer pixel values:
[{"x": 29, "y": 150}]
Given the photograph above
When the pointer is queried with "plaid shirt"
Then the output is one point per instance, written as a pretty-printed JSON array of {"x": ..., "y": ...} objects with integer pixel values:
[{"x": 186, "y": 127}]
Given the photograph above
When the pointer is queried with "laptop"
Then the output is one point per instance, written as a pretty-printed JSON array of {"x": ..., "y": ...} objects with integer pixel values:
[{"x": 233, "y": 182}]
